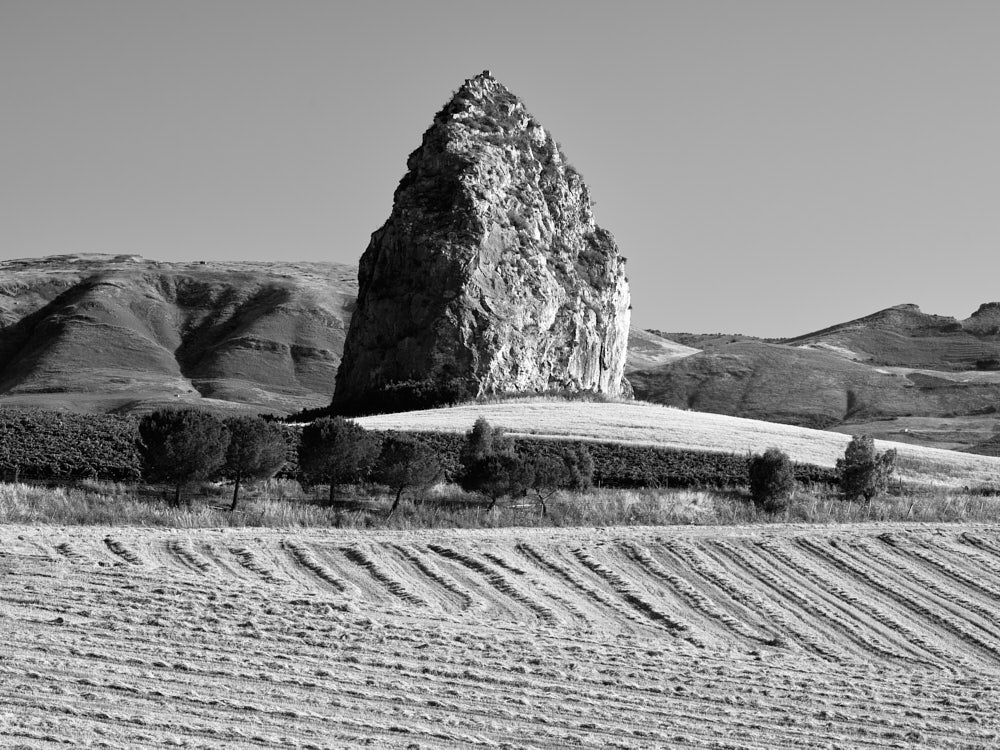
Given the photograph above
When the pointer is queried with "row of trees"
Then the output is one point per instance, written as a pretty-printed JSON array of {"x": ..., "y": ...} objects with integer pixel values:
[
  {"x": 183, "y": 446},
  {"x": 863, "y": 472},
  {"x": 187, "y": 445}
]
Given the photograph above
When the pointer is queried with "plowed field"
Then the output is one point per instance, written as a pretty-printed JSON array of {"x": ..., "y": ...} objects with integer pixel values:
[{"x": 848, "y": 637}]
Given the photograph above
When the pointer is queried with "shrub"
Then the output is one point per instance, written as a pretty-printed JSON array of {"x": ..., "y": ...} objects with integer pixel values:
[
  {"x": 336, "y": 451},
  {"x": 256, "y": 451},
  {"x": 490, "y": 465},
  {"x": 772, "y": 480},
  {"x": 181, "y": 446},
  {"x": 863, "y": 472},
  {"x": 571, "y": 469},
  {"x": 406, "y": 462}
]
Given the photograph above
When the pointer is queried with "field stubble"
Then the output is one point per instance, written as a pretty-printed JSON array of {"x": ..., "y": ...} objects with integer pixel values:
[{"x": 872, "y": 635}]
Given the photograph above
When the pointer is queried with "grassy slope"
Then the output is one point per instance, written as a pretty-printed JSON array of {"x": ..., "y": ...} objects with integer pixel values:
[{"x": 649, "y": 424}]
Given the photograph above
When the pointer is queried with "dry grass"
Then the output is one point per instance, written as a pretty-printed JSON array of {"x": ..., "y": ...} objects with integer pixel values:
[
  {"x": 283, "y": 504},
  {"x": 649, "y": 424}
]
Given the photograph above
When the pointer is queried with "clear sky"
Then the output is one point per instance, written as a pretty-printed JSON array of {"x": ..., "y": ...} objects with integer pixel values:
[{"x": 768, "y": 167}]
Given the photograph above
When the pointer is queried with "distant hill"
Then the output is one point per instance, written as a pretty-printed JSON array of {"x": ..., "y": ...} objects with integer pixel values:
[
  {"x": 122, "y": 333},
  {"x": 899, "y": 374},
  {"x": 903, "y": 336}
]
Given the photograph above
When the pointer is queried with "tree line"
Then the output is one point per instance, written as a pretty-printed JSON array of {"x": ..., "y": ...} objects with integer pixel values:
[
  {"x": 182, "y": 446},
  {"x": 178, "y": 447}
]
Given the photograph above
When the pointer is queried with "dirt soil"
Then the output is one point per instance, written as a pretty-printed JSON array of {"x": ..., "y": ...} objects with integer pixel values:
[{"x": 683, "y": 637}]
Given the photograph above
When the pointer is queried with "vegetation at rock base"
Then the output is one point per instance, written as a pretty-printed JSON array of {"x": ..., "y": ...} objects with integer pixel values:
[
  {"x": 863, "y": 471},
  {"x": 336, "y": 451},
  {"x": 182, "y": 446},
  {"x": 771, "y": 478},
  {"x": 257, "y": 450}
]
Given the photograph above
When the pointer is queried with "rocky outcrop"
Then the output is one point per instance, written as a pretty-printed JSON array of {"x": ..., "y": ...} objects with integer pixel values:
[{"x": 490, "y": 275}]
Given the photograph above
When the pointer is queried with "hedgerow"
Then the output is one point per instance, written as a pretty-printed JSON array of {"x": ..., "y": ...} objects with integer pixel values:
[
  {"x": 634, "y": 466},
  {"x": 37, "y": 444},
  {"x": 54, "y": 445}
]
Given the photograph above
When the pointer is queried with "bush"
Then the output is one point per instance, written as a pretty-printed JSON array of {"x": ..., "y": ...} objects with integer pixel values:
[
  {"x": 490, "y": 465},
  {"x": 571, "y": 469},
  {"x": 257, "y": 450},
  {"x": 772, "y": 480},
  {"x": 181, "y": 446},
  {"x": 863, "y": 472},
  {"x": 336, "y": 451}
]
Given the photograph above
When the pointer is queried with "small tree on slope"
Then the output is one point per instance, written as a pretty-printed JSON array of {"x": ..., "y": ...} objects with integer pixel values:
[
  {"x": 181, "y": 446},
  {"x": 257, "y": 450},
  {"x": 863, "y": 471}
]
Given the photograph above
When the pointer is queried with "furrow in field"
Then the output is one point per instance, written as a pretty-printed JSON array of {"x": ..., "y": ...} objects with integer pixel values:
[
  {"x": 596, "y": 608},
  {"x": 366, "y": 560},
  {"x": 933, "y": 574},
  {"x": 798, "y": 599},
  {"x": 418, "y": 559},
  {"x": 744, "y": 591},
  {"x": 712, "y": 614},
  {"x": 635, "y": 599},
  {"x": 893, "y": 589},
  {"x": 119, "y": 549},
  {"x": 70, "y": 552},
  {"x": 865, "y": 636},
  {"x": 900, "y": 635},
  {"x": 690, "y": 704},
  {"x": 248, "y": 559},
  {"x": 497, "y": 580},
  {"x": 182, "y": 551},
  {"x": 985, "y": 554},
  {"x": 303, "y": 556},
  {"x": 155, "y": 656}
]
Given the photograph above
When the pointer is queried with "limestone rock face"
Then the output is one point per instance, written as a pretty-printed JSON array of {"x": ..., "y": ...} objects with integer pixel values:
[{"x": 490, "y": 275}]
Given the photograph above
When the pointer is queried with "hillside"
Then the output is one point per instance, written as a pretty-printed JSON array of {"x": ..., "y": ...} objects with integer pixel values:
[
  {"x": 647, "y": 424},
  {"x": 684, "y": 637},
  {"x": 899, "y": 374},
  {"x": 121, "y": 333}
]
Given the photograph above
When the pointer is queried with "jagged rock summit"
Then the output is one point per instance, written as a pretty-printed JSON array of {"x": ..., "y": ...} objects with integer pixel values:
[{"x": 490, "y": 275}]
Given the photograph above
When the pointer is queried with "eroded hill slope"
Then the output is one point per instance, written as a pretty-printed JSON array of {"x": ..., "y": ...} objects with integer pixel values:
[{"x": 121, "y": 332}]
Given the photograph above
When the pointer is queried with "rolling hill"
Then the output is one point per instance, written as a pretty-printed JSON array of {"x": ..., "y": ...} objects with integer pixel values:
[
  {"x": 121, "y": 333},
  {"x": 898, "y": 374},
  {"x": 648, "y": 424}
]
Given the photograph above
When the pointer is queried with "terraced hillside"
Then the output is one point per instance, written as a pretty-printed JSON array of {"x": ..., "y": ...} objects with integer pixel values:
[{"x": 744, "y": 638}]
